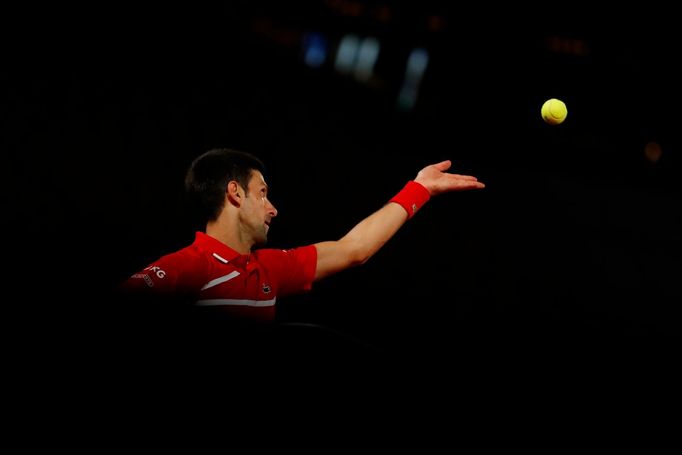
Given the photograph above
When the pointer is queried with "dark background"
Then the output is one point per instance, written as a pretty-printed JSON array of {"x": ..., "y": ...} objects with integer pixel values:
[{"x": 577, "y": 234}]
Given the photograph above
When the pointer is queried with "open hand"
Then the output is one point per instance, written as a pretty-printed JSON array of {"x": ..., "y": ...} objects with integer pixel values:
[{"x": 436, "y": 180}]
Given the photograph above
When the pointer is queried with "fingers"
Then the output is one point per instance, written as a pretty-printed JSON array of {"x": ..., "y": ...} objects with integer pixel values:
[
  {"x": 465, "y": 181},
  {"x": 434, "y": 176},
  {"x": 464, "y": 177},
  {"x": 443, "y": 165}
]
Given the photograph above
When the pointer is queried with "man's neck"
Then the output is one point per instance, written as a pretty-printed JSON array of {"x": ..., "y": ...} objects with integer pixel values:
[{"x": 229, "y": 235}]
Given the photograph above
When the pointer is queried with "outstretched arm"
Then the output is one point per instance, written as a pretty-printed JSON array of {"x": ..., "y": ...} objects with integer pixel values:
[{"x": 370, "y": 234}]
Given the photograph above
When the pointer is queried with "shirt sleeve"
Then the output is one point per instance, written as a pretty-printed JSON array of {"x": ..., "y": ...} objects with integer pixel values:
[{"x": 293, "y": 269}]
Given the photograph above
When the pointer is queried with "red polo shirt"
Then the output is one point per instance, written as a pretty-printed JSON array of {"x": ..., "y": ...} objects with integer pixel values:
[{"x": 210, "y": 274}]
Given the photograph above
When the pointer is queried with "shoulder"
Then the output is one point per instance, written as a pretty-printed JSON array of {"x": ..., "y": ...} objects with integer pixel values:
[
  {"x": 190, "y": 253},
  {"x": 267, "y": 254}
]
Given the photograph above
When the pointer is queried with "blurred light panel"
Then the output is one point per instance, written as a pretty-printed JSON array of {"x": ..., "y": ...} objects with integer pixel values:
[
  {"x": 653, "y": 151},
  {"x": 416, "y": 66},
  {"x": 347, "y": 54},
  {"x": 367, "y": 57},
  {"x": 314, "y": 49}
]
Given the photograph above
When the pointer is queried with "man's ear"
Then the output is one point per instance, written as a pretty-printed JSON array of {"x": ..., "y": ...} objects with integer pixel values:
[{"x": 235, "y": 193}]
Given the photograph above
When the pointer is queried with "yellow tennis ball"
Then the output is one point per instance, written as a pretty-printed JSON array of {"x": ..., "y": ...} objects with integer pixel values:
[{"x": 554, "y": 111}]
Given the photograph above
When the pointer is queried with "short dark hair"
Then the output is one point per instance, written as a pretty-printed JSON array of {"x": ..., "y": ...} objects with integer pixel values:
[{"x": 208, "y": 175}]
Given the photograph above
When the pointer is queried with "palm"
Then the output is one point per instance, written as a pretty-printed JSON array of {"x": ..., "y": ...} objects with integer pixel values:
[{"x": 436, "y": 180}]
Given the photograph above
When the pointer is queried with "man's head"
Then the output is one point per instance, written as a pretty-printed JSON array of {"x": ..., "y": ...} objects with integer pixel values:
[{"x": 221, "y": 176}]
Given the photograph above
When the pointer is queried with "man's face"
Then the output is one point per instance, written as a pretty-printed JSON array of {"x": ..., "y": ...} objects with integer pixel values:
[{"x": 257, "y": 210}]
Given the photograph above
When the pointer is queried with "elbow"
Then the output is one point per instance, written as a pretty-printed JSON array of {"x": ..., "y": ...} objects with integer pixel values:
[
  {"x": 357, "y": 261},
  {"x": 359, "y": 257},
  {"x": 358, "y": 252}
]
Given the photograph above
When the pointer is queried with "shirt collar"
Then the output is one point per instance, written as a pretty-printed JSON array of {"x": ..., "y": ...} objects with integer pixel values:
[{"x": 215, "y": 246}]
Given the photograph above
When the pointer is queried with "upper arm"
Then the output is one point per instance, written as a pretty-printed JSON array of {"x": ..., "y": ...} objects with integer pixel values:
[
  {"x": 291, "y": 270},
  {"x": 333, "y": 257}
]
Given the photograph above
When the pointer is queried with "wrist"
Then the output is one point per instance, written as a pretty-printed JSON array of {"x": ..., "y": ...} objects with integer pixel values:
[{"x": 412, "y": 197}]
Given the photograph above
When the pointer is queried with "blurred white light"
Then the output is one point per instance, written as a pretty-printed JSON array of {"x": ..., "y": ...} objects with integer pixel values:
[
  {"x": 367, "y": 57},
  {"x": 347, "y": 54},
  {"x": 416, "y": 66}
]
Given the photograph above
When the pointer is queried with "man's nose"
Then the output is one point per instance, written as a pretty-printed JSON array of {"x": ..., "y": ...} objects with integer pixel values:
[{"x": 272, "y": 210}]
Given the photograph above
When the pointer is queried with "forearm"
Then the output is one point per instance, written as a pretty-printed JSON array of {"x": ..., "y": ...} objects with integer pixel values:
[
  {"x": 372, "y": 233},
  {"x": 361, "y": 242}
]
